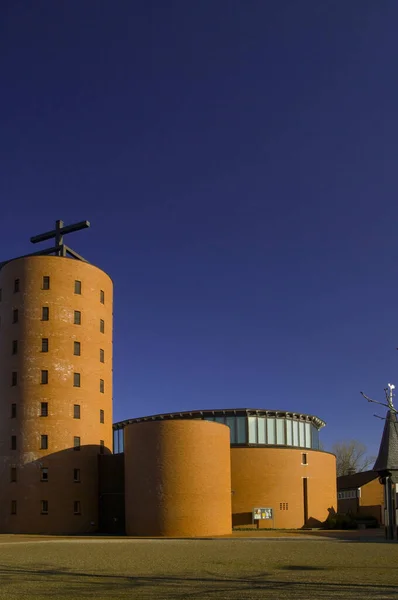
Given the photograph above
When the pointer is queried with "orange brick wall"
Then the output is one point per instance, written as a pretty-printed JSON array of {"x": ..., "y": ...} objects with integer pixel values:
[
  {"x": 60, "y": 425},
  {"x": 177, "y": 478},
  {"x": 269, "y": 477}
]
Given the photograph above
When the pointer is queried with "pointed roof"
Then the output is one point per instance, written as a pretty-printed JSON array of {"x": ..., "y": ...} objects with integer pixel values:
[{"x": 387, "y": 459}]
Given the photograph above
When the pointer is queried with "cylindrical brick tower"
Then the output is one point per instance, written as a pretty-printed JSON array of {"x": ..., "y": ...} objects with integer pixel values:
[
  {"x": 177, "y": 479},
  {"x": 55, "y": 393}
]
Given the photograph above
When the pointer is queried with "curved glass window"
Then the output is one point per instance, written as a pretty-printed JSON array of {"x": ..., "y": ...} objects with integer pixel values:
[
  {"x": 271, "y": 438},
  {"x": 262, "y": 434},
  {"x": 241, "y": 430},
  {"x": 280, "y": 432},
  {"x": 253, "y": 438},
  {"x": 269, "y": 430}
]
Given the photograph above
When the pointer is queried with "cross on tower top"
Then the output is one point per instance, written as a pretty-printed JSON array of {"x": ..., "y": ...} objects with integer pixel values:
[{"x": 60, "y": 249}]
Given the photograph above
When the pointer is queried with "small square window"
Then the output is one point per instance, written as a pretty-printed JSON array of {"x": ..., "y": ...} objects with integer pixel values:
[
  {"x": 102, "y": 355},
  {"x": 13, "y": 442},
  {"x": 78, "y": 287},
  {"x": 76, "y": 475},
  {"x": 77, "y": 317},
  {"x": 13, "y": 474},
  {"x": 16, "y": 285},
  {"x": 44, "y": 442},
  {"x": 44, "y": 377},
  {"x": 76, "y": 348},
  {"x": 13, "y": 507},
  {"x": 102, "y": 447},
  {"x": 304, "y": 458},
  {"x": 76, "y": 443},
  {"x": 102, "y": 326},
  {"x": 13, "y": 411},
  {"x": 44, "y": 344},
  {"x": 44, "y": 474},
  {"x": 15, "y": 315},
  {"x": 76, "y": 411},
  {"x": 46, "y": 282},
  {"x": 44, "y": 507},
  {"x": 102, "y": 386},
  {"x": 14, "y": 346},
  {"x": 76, "y": 379},
  {"x": 44, "y": 409},
  {"x": 76, "y": 507},
  {"x": 45, "y": 313},
  {"x": 14, "y": 378},
  {"x": 102, "y": 296}
]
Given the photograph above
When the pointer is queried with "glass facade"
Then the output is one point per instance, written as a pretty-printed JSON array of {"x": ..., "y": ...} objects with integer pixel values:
[{"x": 275, "y": 429}]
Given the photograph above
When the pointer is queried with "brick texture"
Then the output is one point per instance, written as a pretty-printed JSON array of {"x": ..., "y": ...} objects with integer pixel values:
[
  {"x": 60, "y": 425},
  {"x": 273, "y": 478},
  {"x": 177, "y": 478}
]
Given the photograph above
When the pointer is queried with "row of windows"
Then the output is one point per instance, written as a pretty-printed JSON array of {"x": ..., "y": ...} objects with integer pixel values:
[
  {"x": 44, "y": 411},
  {"x": 46, "y": 286},
  {"x": 44, "y": 380},
  {"x": 348, "y": 494},
  {"x": 45, "y": 348},
  {"x": 44, "y": 507},
  {"x": 256, "y": 430},
  {"x": 43, "y": 475},
  {"x": 45, "y": 316},
  {"x": 44, "y": 443}
]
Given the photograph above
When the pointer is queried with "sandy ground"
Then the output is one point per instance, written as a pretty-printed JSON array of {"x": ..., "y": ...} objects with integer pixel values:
[{"x": 308, "y": 565}]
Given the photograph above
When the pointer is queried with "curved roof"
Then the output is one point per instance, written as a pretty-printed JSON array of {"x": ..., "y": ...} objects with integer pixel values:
[{"x": 198, "y": 414}]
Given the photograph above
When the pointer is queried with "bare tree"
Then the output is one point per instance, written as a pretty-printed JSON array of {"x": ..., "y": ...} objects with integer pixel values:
[{"x": 351, "y": 457}]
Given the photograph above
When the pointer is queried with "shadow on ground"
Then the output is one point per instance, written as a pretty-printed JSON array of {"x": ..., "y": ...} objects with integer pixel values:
[{"x": 278, "y": 584}]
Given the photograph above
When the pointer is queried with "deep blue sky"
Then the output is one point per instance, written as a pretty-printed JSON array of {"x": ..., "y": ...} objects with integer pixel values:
[{"x": 238, "y": 163}]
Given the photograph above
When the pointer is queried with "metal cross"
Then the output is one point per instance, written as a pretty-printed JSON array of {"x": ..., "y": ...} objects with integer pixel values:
[{"x": 60, "y": 249}]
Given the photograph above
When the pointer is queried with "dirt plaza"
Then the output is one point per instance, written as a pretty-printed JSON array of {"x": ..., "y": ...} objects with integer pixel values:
[{"x": 274, "y": 565}]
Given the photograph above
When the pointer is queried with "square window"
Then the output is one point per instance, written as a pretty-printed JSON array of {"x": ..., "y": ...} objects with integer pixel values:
[
  {"x": 44, "y": 474},
  {"x": 304, "y": 458},
  {"x": 44, "y": 377},
  {"x": 76, "y": 475},
  {"x": 102, "y": 326},
  {"x": 76, "y": 443},
  {"x": 102, "y": 386},
  {"x": 102, "y": 416},
  {"x": 14, "y": 346},
  {"x": 13, "y": 442},
  {"x": 76, "y": 507},
  {"x": 76, "y": 348},
  {"x": 102, "y": 355},
  {"x": 14, "y": 378},
  {"x": 13, "y": 507},
  {"x": 13, "y": 474},
  {"x": 44, "y": 507},
  {"x": 44, "y": 442},
  {"x": 78, "y": 287},
  {"x": 15, "y": 315},
  {"x": 44, "y": 344},
  {"x": 46, "y": 282},
  {"x": 102, "y": 296},
  {"x": 76, "y": 411},
  {"x": 45, "y": 313},
  {"x": 76, "y": 379},
  {"x": 13, "y": 411},
  {"x": 77, "y": 317},
  {"x": 44, "y": 409},
  {"x": 16, "y": 285}
]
